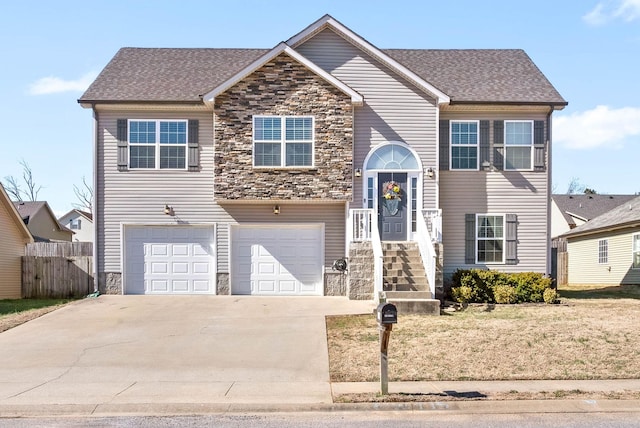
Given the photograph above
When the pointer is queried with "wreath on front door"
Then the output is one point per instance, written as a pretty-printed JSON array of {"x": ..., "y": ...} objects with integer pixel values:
[{"x": 391, "y": 192}]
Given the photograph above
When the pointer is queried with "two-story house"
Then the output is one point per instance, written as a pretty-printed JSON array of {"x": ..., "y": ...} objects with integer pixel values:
[{"x": 251, "y": 171}]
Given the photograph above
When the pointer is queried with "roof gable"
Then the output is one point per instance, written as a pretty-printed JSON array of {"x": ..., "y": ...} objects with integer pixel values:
[
  {"x": 356, "y": 98},
  {"x": 328, "y": 21},
  {"x": 14, "y": 214}
]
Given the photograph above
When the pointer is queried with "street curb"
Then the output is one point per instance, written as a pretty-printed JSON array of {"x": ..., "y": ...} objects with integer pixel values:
[{"x": 439, "y": 407}]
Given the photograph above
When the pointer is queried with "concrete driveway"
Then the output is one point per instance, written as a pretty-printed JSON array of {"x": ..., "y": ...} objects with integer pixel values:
[{"x": 135, "y": 353}]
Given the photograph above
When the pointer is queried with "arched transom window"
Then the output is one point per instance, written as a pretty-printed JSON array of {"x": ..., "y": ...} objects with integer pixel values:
[{"x": 392, "y": 156}]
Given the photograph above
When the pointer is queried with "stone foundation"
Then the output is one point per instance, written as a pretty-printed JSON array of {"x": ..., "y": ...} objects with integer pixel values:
[
  {"x": 361, "y": 281},
  {"x": 335, "y": 284},
  {"x": 222, "y": 284},
  {"x": 110, "y": 283}
]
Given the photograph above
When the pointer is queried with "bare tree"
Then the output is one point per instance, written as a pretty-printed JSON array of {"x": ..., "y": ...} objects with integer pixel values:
[
  {"x": 84, "y": 195},
  {"x": 31, "y": 190},
  {"x": 13, "y": 188},
  {"x": 575, "y": 186}
]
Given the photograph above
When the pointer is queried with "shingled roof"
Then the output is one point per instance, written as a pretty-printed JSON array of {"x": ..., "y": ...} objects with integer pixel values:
[
  {"x": 588, "y": 206},
  {"x": 625, "y": 215},
  {"x": 181, "y": 75}
]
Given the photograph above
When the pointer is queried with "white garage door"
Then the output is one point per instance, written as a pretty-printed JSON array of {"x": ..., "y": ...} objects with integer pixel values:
[
  {"x": 169, "y": 260},
  {"x": 284, "y": 260}
]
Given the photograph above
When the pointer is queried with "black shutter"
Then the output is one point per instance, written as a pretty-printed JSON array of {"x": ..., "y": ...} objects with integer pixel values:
[
  {"x": 498, "y": 144},
  {"x": 470, "y": 239},
  {"x": 511, "y": 238},
  {"x": 539, "y": 149},
  {"x": 193, "y": 149},
  {"x": 485, "y": 151},
  {"x": 123, "y": 148},
  {"x": 444, "y": 145}
]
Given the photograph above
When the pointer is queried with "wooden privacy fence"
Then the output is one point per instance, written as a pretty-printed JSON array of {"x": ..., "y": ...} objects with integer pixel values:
[
  {"x": 57, "y": 270},
  {"x": 560, "y": 261}
]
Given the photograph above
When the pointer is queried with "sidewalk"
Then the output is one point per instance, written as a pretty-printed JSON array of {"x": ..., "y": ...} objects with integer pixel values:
[{"x": 201, "y": 398}]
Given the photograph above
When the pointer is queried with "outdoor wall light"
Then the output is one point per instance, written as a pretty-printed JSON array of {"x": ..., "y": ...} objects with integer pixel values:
[
  {"x": 168, "y": 210},
  {"x": 276, "y": 209},
  {"x": 430, "y": 172},
  {"x": 358, "y": 172}
]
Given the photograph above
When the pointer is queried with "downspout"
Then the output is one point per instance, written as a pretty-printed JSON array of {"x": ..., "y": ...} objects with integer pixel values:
[
  {"x": 94, "y": 202},
  {"x": 549, "y": 191}
]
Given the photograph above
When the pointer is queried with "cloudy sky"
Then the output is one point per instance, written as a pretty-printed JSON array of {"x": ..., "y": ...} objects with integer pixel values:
[{"x": 51, "y": 51}]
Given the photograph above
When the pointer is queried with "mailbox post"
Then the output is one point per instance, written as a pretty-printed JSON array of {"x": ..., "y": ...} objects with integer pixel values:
[{"x": 387, "y": 315}]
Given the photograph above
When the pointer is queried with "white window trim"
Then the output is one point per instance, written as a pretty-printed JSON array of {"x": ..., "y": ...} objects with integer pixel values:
[
  {"x": 477, "y": 145},
  {"x": 633, "y": 237},
  {"x": 283, "y": 142},
  {"x": 504, "y": 237},
  {"x": 157, "y": 145},
  {"x": 506, "y": 146},
  {"x": 606, "y": 253}
]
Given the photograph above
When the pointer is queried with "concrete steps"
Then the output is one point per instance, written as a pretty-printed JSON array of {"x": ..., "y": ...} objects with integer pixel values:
[{"x": 405, "y": 280}]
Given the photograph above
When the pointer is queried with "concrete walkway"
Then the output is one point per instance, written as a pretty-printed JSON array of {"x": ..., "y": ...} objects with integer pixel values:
[{"x": 163, "y": 355}]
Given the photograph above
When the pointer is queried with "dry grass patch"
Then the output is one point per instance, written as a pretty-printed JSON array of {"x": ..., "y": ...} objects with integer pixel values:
[{"x": 592, "y": 337}]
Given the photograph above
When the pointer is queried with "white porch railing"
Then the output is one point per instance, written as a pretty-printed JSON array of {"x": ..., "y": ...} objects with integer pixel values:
[
  {"x": 427, "y": 252},
  {"x": 361, "y": 228},
  {"x": 433, "y": 219}
]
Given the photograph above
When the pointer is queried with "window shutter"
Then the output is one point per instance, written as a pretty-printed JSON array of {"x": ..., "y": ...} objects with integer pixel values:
[
  {"x": 123, "y": 148},
  {"x": 511, "y": 238},
  {"x": 485, "y": 150},
  {"x": 470, "y": 238},
  {"x": 444, "y": 145},
  {"x": 194, "y": 151},
  {"x": 539, "y": 151},
  {"x": 498, "y": 144}
]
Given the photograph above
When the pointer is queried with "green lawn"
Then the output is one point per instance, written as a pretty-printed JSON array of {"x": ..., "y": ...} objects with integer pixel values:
[{"x": 14, "y": 306}]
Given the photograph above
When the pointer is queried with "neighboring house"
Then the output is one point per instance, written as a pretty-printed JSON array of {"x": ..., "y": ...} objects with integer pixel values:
[
  {"x": 250, "y": 171},
  {"x": 41, "y": 221},
  {"x": 14, "y": 236},
  {"x": 80, "y": 222},
  {"x": 571, "y": 211},
  {"x": 606, "y": 249}
]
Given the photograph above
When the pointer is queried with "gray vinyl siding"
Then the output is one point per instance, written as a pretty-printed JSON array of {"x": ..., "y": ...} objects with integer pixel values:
[
  {"x": 331, "y": 215},
  {"x": 505, "y": 192},
  {"x": 583, "y": 259},
  {"x": 524, "y": 193},
  {"x": 393, "y": 110},
  {"x": 139, "y": 197}
]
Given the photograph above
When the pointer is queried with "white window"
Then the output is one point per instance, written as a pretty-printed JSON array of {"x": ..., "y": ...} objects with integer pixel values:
[
  {"x": 283, "y": 141},
  {"x": 603, "y": 251},
  {"x": 489, "y": 238},
  {"x": 464, "y": 144},
  {"x": 157, "y": 144},
  {"x": 518, "y": 144},
  {"x": 74, "y": 224},
  {"x": 636, "y": 251}
]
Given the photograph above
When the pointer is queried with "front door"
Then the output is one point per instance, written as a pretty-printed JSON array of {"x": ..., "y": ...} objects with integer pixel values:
[{"x": 392, "y": 206}]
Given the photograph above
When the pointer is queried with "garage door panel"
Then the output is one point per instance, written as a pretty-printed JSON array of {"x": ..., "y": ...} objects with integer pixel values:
[
  {"x": 279, "y": 259},
  {"x": 169, "y": 259}
]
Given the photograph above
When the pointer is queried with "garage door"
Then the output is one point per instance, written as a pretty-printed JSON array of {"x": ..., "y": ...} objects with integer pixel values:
[
  {"x": 169, "y": 260},
  {"x": 283, "y": 260}
]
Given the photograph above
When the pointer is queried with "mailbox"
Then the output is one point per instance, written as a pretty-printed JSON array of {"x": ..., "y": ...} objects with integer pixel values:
[{"x": 387, "y": 313}]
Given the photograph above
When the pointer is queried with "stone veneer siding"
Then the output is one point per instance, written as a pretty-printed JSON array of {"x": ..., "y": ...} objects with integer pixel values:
[{"x": 283, "y": 87}]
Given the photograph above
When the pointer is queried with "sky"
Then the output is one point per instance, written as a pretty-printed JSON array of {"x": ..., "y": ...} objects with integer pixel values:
[{"x": 51, "y": 51}]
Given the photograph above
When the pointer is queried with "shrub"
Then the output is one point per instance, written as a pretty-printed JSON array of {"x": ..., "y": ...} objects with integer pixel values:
[
  {"x": 462, "y": 294},
  {"x": 490, "y": 286},
  {"x": 550, "y": 296},
  {"x": 505, "y": 294}
]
